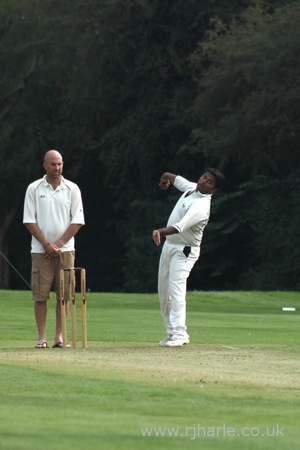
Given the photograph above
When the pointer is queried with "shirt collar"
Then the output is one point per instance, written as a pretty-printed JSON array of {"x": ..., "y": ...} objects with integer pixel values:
[
  {"x": 203, "y": 195},
  {"x": 60, "y": 186},
  {"x": 193, "y": 191}
]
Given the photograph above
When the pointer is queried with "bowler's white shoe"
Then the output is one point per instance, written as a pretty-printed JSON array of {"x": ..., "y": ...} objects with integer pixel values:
[
  {"x": 165, "y": 340},
  {"x": 176, "y": 342}
]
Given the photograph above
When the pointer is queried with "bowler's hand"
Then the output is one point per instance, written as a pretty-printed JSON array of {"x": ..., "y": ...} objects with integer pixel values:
[
  {"x": 156, "y": 237},
  {"x": 164, "y": 184}
]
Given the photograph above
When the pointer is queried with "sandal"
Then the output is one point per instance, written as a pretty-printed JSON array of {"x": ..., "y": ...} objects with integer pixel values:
[
  {"x": 42, "y": 345},
  {"x": 60, "y": 344}
]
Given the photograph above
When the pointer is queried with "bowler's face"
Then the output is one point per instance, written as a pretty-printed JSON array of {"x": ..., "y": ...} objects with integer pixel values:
[{"x": 207, "y": 183}]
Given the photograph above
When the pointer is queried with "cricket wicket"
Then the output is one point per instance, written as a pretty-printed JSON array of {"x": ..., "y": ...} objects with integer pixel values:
[{"x": 63, "y": 303}]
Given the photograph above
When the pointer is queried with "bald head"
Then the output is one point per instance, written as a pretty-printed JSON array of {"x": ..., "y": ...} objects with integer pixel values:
[
  {"x": 52, "y": 154},
  {"x": 53, "y": 165}
]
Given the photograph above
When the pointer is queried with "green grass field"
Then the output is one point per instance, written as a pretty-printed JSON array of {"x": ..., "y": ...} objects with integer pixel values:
[{"x": 236, "y": 385}]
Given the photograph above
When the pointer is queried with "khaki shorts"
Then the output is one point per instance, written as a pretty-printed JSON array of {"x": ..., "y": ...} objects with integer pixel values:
[{"x": 45, "y": 275}]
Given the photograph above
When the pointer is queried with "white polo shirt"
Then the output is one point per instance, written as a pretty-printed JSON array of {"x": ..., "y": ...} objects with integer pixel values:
[
  {"x": 53, "y": 210},
  {"x": 190, "y": 214}
]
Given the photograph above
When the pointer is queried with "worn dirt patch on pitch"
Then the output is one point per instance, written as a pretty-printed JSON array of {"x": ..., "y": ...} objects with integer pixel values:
[{"x": 189, "y": 365}]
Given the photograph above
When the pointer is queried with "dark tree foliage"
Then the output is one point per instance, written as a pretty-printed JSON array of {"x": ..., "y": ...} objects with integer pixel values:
[
  {"x": 152, "y": 89},
  {"x": 247, "y": 116},
  {"x": 127, "y": 89},
  {"x": 246, "y": 112}
]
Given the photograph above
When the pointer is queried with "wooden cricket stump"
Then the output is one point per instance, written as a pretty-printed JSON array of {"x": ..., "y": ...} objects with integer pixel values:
[{"x": 63, "y": 305}]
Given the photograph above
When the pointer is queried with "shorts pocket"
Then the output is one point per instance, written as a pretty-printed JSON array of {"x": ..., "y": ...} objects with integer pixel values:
[
  {"x": 35, "y": 282},
  {"x": 39, "y": 286}
]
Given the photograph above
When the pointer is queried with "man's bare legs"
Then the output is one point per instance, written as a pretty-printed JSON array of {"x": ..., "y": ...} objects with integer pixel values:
[
  {"x": 58, "y": 332},
  {"x": 40, "y": 310}
]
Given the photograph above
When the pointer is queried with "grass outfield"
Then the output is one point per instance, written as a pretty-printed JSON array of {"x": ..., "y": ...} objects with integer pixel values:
[{"x": 235, "y": 386}]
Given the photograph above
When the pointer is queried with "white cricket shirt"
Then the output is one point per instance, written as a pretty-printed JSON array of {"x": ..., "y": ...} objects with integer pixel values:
[
  {"x": 53, "y": 210},
  {"x": 190, "y": 214}
]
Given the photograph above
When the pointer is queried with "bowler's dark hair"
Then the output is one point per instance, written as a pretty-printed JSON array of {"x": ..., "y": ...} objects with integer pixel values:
[{"x": 220, "y": 178}]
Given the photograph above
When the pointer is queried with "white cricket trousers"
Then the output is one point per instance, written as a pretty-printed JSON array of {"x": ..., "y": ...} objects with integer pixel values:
[{"x": 175, "y": 265}]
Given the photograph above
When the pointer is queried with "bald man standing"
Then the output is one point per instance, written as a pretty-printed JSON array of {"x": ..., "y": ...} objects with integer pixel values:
[{"x": 53, "y": 214}]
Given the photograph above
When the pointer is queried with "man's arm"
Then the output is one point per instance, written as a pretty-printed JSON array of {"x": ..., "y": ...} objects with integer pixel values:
[
  {"x": 158, "y": 234},
  {"x": 68, "y": 234},
  {"x": 35, "y": 231},
  {"x": 168, "y": 176},
  {"x": 52, "y": 249},
  {"x": 166, "y": 179}
]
